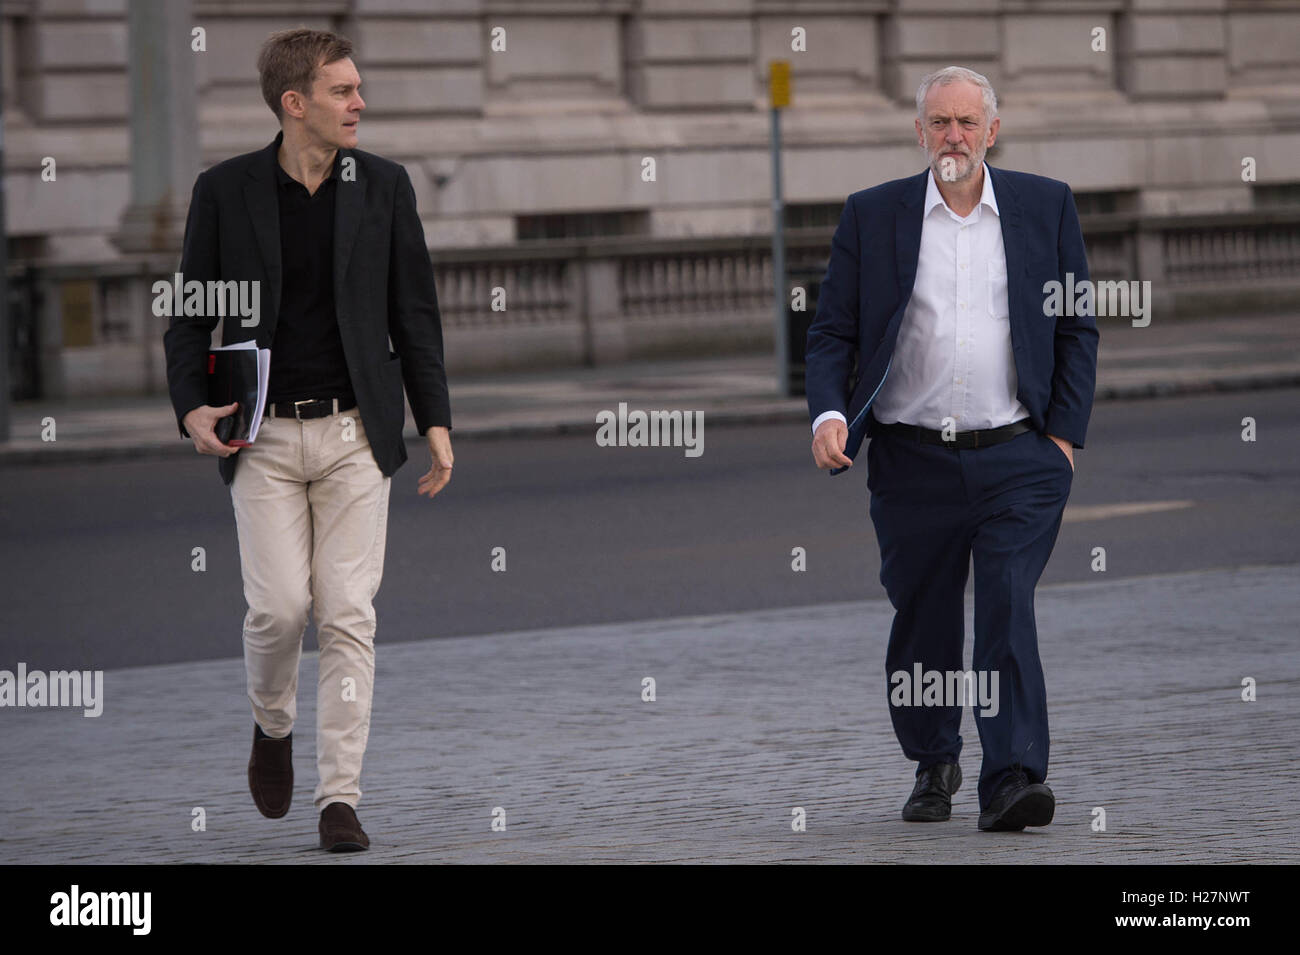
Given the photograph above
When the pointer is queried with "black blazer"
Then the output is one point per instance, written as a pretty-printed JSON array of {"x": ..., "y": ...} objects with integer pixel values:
[{"x": 383, "y": 288}]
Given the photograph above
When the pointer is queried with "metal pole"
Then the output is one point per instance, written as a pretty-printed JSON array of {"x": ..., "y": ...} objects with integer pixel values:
[
  {"x": 778, "y": 262},
  {"x": 4, "y": 278}
]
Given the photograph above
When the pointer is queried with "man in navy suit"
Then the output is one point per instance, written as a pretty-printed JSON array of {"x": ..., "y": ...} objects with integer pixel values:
[{"x": 974, "y": 397}]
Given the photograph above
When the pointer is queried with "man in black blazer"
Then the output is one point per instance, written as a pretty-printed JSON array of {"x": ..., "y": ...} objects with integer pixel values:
[
  {"x": 974, "y": 391},
  {"x": 330, "y": 236}
]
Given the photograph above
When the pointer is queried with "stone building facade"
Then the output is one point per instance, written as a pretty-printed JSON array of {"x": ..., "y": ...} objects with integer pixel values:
[{"x": 527, "y": 125}]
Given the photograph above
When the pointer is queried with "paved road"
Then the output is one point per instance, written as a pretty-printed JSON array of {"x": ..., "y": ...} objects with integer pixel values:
[
  {"x": 756, "y": 713},
  {"x": 774, "y": 700},
  {"x": 97, "y": 567}
]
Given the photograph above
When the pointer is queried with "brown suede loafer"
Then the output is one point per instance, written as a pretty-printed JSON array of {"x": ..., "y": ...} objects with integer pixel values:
[
  {"x": 340, "y": 831},
  {"x": 270, "y": 773}
]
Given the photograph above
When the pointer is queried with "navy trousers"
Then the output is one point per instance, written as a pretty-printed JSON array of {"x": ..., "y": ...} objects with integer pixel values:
[{"x": 933, "y": 509}]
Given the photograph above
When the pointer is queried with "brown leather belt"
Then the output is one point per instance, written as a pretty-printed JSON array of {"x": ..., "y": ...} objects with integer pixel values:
[
  {"x": 960, "y": 439},
  {"x": 309, "y": 407}
]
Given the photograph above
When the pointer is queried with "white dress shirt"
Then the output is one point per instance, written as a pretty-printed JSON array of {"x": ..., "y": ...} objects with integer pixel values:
[{"x": 953, "y": 354}]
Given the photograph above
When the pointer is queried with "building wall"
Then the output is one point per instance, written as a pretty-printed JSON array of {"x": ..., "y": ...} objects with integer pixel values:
[
  {"x": 562, "y": 118},
  {"x": 520, "y": 118}
]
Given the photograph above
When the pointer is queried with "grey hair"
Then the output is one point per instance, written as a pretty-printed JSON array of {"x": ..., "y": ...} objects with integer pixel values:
[{"x": 954, "y": 74}]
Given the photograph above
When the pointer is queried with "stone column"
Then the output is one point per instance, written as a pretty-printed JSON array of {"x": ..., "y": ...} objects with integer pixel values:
[{"x": 164, "y": 125}]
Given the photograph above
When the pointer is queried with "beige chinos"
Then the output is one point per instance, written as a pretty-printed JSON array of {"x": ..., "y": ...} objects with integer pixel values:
[{"x": 311, "y": 511}]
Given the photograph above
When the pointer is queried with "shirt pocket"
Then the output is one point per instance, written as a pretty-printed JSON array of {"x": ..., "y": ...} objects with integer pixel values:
[{"x": 997, "y": 289}]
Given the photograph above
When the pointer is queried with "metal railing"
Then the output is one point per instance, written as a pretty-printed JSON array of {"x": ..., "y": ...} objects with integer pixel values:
[{"x": 595, "y": 301}]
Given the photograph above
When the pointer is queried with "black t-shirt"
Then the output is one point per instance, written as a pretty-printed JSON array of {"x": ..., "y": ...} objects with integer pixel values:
[{"x": 307, "y": 359}]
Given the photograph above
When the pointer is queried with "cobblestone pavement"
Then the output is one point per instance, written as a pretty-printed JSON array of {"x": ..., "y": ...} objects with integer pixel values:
[{"x": 755, "y": 714}]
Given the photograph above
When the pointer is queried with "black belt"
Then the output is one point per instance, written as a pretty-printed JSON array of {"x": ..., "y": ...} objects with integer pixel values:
[
  {"x": 310, "y": 407},
  {"x": 961, "y": 439}
]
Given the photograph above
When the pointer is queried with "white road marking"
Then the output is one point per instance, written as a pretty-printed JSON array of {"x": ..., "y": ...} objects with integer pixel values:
[{"x": 1102, "y": 512}]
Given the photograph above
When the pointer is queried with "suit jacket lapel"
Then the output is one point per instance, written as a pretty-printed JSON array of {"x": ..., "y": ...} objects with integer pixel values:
[
  {"x": 1013, "y": 244},
  {"x": 264, "y": 209},
  {"x": 907, "y": 234},
  {"x": 349, "y": 203}
]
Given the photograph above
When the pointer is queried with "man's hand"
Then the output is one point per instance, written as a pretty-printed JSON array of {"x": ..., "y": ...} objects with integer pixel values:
[
  {"x": 201, "y": 424},
  {"x": 440, "y": 471},
  {"x": 1066, "y": 447},
  {"x": 828, "y": 445}
]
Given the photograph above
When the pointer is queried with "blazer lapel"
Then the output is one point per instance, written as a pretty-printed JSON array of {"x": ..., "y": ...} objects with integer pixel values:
[
  {"x": 1013, "y": 245},
  {"x": 349, "y": 203},
  {"x": 264, "y": 209},
  {"x": 907, "y": 234}
]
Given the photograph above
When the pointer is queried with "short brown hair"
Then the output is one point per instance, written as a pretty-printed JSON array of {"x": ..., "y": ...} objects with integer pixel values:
[{"x": 289, "y": 60}]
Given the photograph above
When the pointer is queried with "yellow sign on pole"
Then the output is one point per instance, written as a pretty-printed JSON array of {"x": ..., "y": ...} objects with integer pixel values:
[{"x": 778, "y": 87}]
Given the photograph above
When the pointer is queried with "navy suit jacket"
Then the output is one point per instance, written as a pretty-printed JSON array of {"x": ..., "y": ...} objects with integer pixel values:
[{"x": 869, "y": 280}]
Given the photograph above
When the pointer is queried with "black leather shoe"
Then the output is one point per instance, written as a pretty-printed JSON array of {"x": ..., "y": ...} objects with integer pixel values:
[
  {"x": 270, "y": 773},
  {"x": 1017, "y": 803},
  {"x": 931, "y": 800},
  {"x": 340, "y": 830}
]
